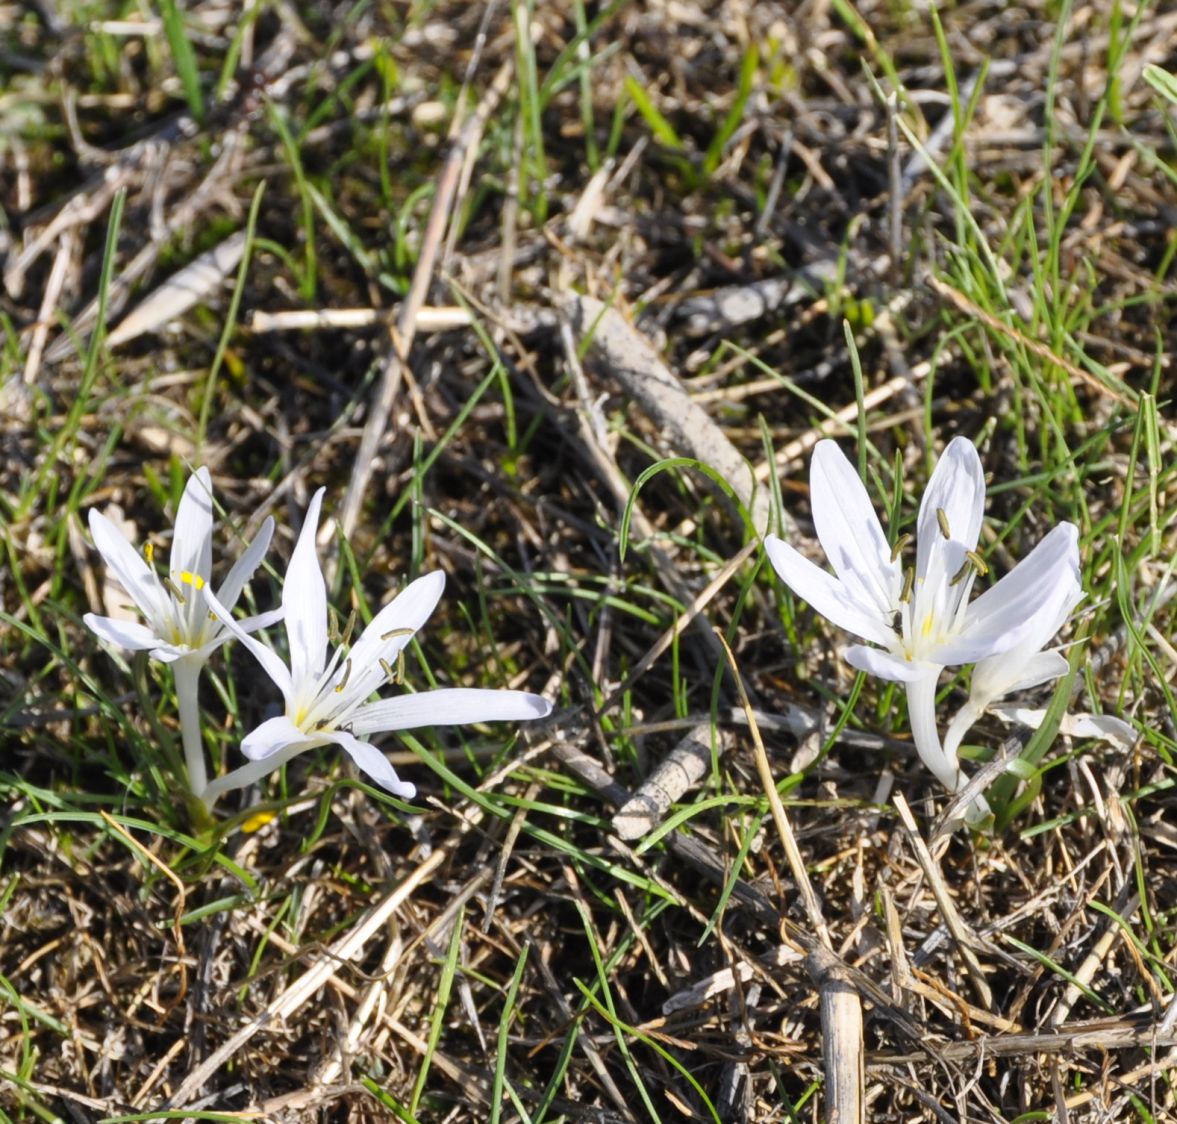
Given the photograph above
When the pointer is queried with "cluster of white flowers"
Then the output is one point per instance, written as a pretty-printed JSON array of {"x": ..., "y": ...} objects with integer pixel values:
[
  {"x": 916, "y": 621},
  {"x": 326, "y": 700},
  {"x": 920, "y": 619}
]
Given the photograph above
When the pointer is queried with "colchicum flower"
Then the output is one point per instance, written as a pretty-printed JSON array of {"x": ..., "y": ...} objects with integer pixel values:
[
  {"x": 1024, "y": 666},
  {"x": 179, "y": 630},
  {"x": 327, "y": 699},
  {"x": 921, "y": 620}
]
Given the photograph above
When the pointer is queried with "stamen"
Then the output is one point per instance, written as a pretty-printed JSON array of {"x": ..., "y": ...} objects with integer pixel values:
[
  {"x": 942, "y": 519},
  {"x": 897, "y": 549},
  {"x": 349, "y": 628},
  {"x": 958, "y": 577},
  {"x": 333, "y": 627},
  {"x": 385, "y": 636},
  {"x": 979, "y": 562},
  {"x": 149, "y": 553},
  {"x": 908, "y": 583},
  {"x": 174, "y": 590},
  {"x": 346, "y": 675},
  {"x": 386, "y": 667},
  {"x": 195, "y": 580}
]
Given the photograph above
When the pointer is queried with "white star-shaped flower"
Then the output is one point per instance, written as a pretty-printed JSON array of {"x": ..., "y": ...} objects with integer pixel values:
[
  {"x": 327, "y": 699},
  {"x": 179, "y": 629}
]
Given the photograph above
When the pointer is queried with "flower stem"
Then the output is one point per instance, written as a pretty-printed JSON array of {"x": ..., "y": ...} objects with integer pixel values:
[{"x": 187, "y": 674}]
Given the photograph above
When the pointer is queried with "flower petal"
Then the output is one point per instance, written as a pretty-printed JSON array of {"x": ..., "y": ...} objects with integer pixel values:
[
  {"x": 849, "y": 530},
  {"x": 276, "y": 735},
  {"x": 884, "y": 664},
  {"x": 192, "y": 547},
  {"x": 1006, "y": 613},
  {"x": 248, "y": 773},
  {"x": 132, "y": 572},
  {"x": 448, "y": 706},
  {"x": 245, "y": 566},
  {"x": 1106, "y": 727},
  {"x": 828, "y": 596},
  {"x": 170, "y": 653},
  {"x": 261, "y": 620},
  {"x": 371, "y": 761},
  {"x": 269, "y": 659},
  {"x": 990, "y": 681},
  {"x": 130, "y": 635},
  {"x": 957, "y": 488},
  {"x": 397, "y": 621},
  {"x": 304, "y": 597}
]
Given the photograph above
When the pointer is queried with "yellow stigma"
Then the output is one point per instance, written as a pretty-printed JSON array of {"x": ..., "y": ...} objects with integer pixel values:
[
  {"x": 256, "y": 822},
  {"x": 927, "y": 628},
  {"x": 194, "y": 580}
]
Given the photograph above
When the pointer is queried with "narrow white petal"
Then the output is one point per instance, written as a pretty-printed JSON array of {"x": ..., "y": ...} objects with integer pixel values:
[
  {"x": 826, "y": 594},
  {"x": 883, "y": 664},
  {"x": 248, "y": 773},
  {"x": 262, "y": 620},
  {"x": 1002, "y": 675},
  {"x": 192, "y": 549},
  {"x": 1104, "y": 727},
  {"x": 271, "y": 662},
  {"x": 245, "y": 566},
  {"x": 274, "y": 736},
  {"x": 389, "y": 634},
  {"x": 1008, "y": 612},
  {"x": 170, "y": 653},
  {"x": 130, "y": 635},
  {"x": 957, "y": 488},
  {"x": 304, "y": 597},
  {"x": 448, "y": 706},
  {"x": 1026, "y": 665},
  {"x": 132, "y": 572},
  {"x": 849, "y": 530},
  {"x": 371, "y": 761},
  {"x": 921, "y": 712}
]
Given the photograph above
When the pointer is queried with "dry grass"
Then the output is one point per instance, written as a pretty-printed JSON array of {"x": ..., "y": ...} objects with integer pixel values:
[{"x": 738, "y": 181}]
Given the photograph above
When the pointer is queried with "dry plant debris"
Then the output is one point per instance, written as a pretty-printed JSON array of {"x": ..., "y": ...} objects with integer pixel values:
[{"x": 421, "y": 253}]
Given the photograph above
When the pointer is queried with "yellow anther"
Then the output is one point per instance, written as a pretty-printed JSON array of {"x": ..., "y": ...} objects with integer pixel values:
[
  {"x": 194, "y": 580},
  {"x": 149, "y": 552},
  {"x": 346, "y": 676},
  {"x": 979, "y": 562},
  {"x": 900, "y": 543},
  {"x": 942, "y": 519},
  {"x": 256, "y": 822},
  {"x": 908, "y": 583}
]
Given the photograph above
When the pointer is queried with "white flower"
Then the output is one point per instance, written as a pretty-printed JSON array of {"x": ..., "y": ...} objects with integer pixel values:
[
  {"x": 180, "y": 630},
  {"x": 178, "y": 623},
  {"x": 1025, "y": 665},
  {"x": 326, "y": 699},
  {"x": 921, "y": 620}
]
